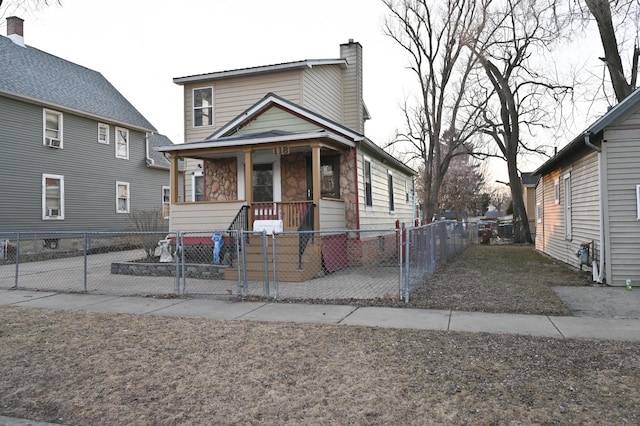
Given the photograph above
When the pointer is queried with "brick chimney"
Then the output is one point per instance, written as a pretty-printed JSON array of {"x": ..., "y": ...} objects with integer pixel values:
[
  {"x": 352, "y": 99},
  {"x": 15, "y": 30}
]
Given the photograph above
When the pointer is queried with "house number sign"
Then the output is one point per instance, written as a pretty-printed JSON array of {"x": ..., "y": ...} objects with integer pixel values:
[{"x": 281, "y": 150}]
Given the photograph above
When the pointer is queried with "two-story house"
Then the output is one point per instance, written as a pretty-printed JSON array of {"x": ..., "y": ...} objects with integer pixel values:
[
  {"x": 285, "y": 144},
  {"x": 76, "y": 155}
]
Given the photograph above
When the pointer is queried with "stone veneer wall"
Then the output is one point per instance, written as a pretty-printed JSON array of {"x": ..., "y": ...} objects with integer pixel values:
[
  {"x": 221, "y": 179},
  {"x": 348, "y": 192},
  {"x": 294, "y": 177}
]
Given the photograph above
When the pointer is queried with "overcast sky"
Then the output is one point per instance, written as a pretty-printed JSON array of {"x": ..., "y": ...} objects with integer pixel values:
[{"x": 141, "y": 45}]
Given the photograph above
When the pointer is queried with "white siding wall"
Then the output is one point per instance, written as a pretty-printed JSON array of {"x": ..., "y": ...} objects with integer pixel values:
[
  {"x": 622, "y": 153},
  {"x": 322, "y": 91},
  {"x": 215, "y": 216},
  {"x": 233, "y": 96},
  {"x": 585, "y": 215},
  {"x": 332, "y": 214},
  {"x": 378, "y": 216}
]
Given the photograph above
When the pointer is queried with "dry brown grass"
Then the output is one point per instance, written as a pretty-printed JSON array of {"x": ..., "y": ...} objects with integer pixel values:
[{"x": 85, "y": 368}]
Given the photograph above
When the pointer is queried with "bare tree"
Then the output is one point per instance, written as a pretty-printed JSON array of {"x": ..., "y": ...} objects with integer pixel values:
[
  {"x": 17, "y": 7},
  {"x": 430, "y": 33},
  {"x": 504, "y": 44},
  {"x": 461, "y": 188}
]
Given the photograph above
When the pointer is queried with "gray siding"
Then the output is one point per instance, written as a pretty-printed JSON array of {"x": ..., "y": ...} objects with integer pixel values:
[
  {"x": 622, "y": 153},
  {"x": 90, "y": 172}
]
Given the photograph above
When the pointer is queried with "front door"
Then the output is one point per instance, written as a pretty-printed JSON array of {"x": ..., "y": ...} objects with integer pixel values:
[{"x": 263, "y": 183}]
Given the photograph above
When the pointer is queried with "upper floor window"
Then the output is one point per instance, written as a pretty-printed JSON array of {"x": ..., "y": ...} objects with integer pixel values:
[
  {"x": 203, "y": 107},
  {"x": 122, "y": 143},
  {"x": 52, "y": 129},
  {"x": 123, "y": 200},
  {"x": 52, "y": 197},
  {"x": 103, "y": 133},
  {"x": 368, "y": 192}
]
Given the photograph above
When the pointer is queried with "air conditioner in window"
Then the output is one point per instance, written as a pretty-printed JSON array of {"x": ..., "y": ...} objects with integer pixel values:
[
  {"x": 53, "y": 212},
  {"x": 52, "y": 142}
]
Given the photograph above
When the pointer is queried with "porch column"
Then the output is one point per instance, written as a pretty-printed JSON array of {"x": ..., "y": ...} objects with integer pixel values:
[
  {"x": 315, "y": 171},
  {"x": 173, "y": 178},
  {"x": 248, "y": 182}
]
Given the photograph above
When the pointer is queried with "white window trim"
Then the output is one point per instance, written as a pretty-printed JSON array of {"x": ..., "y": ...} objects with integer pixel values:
[
  {"x": 103, "y": 126},
  {"x": 538, "y": 213},
  {"x": 116, "y": 143},
  {"x": 637, "y": 202},
  {"x": 44, "y": 126},
  {"x": 391, "y": 192},
  {"x": 128, "y": 210},
  {"x": 168, "y": 189},
  {"x": 46, "y": 176},
  {"x": 193, "y": 107},
  {"x": 556, "y": 190},
  {"x": 197, "y": 173},
  {"x": 365, "y": 160},
  {"x": 568, "y": 214}
]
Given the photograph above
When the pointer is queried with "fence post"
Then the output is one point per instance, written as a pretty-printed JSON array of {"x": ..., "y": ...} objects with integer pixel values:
[
  {"x": 17, "y": 259},
  {"x": 183, "y": 266},
  {"x": 245, "y": 288},
  {"x": 86, "y": 266},
  {"x": 265, "y": 262},
  {"x": 275, "y": 266},
  {"x": 176, "y": 281},
  {"x": 400, "y": 232},
  {"x": 407, "y": 281}
]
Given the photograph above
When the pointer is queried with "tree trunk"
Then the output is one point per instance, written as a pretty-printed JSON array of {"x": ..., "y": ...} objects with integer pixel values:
[{"x": 521, "y": 231}]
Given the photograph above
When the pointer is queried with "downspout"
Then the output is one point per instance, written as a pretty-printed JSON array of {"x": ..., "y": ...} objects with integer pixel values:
[
  {"x": 148, "y": 159},
  {"x": 587, "y": 141}
]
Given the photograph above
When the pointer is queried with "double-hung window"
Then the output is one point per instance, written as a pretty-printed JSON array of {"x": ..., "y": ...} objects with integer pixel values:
[
  {"x": 391, "y": 201},
  {"x": 166, "y": 201},
  {"x": 203, "y": 107},
  {"x": 122, "y": 143},
  {"x": 368, "y": 191},
  {"x": 123, "y": 199},
  {"x": 52, "y": 197},
  {"x": 103, "y": 133},
  {"x": 198, "y": 186},
  {"x": 52, "y": 128}
]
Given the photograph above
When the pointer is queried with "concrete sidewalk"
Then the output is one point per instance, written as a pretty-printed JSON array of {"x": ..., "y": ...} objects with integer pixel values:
[{"x": 418, "y": 319}]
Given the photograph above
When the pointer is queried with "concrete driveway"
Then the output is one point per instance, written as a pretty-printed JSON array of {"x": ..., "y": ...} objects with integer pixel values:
[{"x": 601, "y": 301}]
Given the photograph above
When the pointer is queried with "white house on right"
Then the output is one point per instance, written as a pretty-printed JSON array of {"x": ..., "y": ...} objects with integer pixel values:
[{"x": 589, "y": 192}]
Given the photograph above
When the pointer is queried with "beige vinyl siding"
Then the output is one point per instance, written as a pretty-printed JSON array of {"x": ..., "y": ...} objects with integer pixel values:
[
  {"x": 213, "y": 216},
  {"x": 585, "y": 211},
  {"x": 378, "y": 216},
  {"x": 332, "y": 214},
  {"x": 541, "y": 191},
  {"x": 622, "y": 153},
  {"x": 276, "y": 118},
  {"x": 233, "y": 96},
  {"x": 322, "y": 91}
]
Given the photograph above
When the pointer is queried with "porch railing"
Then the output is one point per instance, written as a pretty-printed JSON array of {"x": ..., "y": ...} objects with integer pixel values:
[
  {"x": 241, "y": 221},
  {"x": 291, "y": 213}
]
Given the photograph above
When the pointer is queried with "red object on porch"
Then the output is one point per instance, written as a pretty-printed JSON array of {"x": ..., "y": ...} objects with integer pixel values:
[{"x": 334, "y": 252}]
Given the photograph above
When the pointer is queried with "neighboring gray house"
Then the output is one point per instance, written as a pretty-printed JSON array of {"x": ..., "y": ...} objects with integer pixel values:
[
  {"x": 589, "y": 192},
  {"x": 76, "y": 155}
]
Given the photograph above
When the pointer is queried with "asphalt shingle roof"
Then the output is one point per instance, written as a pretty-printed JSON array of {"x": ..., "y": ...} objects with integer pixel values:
[{"x": 33, "y": 74}]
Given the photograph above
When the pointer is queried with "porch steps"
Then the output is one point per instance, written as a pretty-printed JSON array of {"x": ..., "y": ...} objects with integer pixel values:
[{"x": 286, "y": 257}]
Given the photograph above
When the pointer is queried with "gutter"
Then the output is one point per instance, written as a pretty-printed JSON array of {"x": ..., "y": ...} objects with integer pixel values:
[{"x": 587, "y": 142}]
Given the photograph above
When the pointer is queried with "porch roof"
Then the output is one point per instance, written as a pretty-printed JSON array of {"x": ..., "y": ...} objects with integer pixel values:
[{"x": 273, "y": 136}]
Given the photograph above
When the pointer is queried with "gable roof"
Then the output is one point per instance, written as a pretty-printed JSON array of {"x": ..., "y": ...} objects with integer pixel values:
[
  {"x": 262, "y": 69},
  {"x": 584, "y": 141},
  {"x": 33, "y": 75}
]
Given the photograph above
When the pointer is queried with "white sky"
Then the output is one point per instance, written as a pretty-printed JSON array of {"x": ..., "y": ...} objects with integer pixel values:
[{"x": 141, "y": 45}]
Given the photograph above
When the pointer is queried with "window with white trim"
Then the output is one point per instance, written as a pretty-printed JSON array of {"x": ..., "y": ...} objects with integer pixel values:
[
  {"x": 122, "y": 143},
  {"x": 166, "y": 201},
  {"x": 197, "y": 183},
  {"x": 638, "y": 202},
  {"x": 52, "y": 128},
  {"x": 556, "y": 191},
  {"x": 368, "y": 191},
  {"x": 103, "y": 133},
  {"x": 203, "y": 107},
  {"x": 52, "y": 197},
  {"x": 391, "y": 201},
  {"x": 568, "y": 217},
  {"x": 538, "y": 213},
  {"x": 123, "y": 197}
]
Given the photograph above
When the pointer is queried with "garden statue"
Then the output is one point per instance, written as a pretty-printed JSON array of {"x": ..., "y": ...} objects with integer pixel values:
[
  {"x": 217, "y": 246},
  {"x": 165, "y": 251}
]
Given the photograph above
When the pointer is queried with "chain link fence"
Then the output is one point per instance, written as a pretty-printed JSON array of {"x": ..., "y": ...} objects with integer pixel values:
[{"x": 328, "y": 265}]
